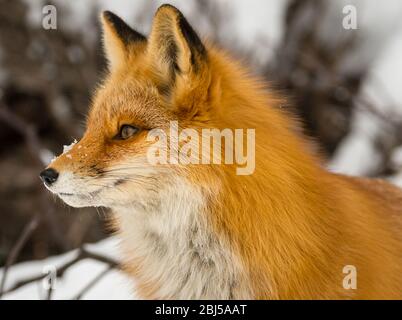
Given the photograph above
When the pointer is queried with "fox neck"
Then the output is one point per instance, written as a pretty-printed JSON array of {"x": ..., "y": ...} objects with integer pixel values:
[{"x": 173, "y": 252}]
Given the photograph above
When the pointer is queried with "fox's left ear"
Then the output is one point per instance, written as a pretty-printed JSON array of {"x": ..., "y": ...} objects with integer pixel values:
[
  {"x": 174, "y": 47},
  {"x": 119, "y": 39}
]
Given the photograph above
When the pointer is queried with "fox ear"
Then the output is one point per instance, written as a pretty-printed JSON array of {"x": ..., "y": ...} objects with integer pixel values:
[
  {"x": 118, "y": 39},
  {"x": 174, "y": 46}
]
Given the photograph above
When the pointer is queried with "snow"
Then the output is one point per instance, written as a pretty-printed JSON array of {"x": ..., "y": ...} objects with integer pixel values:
[
  {"x": 259, "y": 26},
  {"x": 357, "y": 154},
  {"x": 383, "y": 85},
  {"x": 67, "y": 149},
  {"x": 396, "y": 158},
  {"x": 382, "y": 40},
  {"x": 376, "y": 25},
  {"x": 396, "y": 179},
  {"x": 396, "y": 164},
  {"x": 114, "y": 285}
]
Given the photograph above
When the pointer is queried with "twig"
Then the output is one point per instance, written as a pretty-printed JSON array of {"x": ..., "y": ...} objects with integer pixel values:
[
  {"x": 59, "y": 273},
  {"x": 90, "y": 255},
  {"x": 25, "y": 235},
  {"x": 92, "y": 283},
  {"x": 34, "y": 146},
  {"x": 368, "y": 106},
  {"x": 49, "y": 293},
  {"x": 82, "y": 254}
]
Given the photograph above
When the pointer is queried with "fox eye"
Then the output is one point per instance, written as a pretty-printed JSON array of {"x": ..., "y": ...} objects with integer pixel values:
[{"x": 127, "y": 131}]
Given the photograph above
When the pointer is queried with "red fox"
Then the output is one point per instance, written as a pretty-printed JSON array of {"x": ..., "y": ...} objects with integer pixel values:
[{"x": 288, "y": 230}]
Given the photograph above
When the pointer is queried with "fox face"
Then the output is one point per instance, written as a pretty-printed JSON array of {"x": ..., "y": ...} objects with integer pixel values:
[
  {"x": 159, "y": 208},
  {"x": 151, "y": 82}
]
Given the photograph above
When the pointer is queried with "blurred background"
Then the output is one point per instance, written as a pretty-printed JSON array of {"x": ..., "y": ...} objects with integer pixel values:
[{"x": 345, "y": 84}]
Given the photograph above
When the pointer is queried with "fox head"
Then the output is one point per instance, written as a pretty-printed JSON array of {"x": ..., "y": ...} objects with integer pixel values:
[{"x": 151, "y": 82}]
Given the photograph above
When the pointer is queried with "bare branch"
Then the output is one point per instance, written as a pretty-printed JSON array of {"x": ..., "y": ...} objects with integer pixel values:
[
  {"x": 92, "y": 283},
  {"x": 34, "y": 146},
  {"x": 82, "y": 254},
  {"x": 12, "y": 257}
]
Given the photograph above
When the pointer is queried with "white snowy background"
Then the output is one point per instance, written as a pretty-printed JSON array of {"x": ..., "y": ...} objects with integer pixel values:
[
  {"x": 114, "y": 285},
  {"x": 251, "y": 21}
]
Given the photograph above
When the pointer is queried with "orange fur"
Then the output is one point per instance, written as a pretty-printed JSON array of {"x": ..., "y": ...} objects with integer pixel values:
[{"x": 293, "y": 225}]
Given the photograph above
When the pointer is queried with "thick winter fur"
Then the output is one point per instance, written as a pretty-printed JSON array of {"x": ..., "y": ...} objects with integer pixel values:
[{"x": 201, "y": 231}]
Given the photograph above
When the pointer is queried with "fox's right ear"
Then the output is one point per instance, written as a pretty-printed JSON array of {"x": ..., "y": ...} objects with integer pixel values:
[
  {"x": 174, "y": 46},
  {"x": 119, "y": 39}
]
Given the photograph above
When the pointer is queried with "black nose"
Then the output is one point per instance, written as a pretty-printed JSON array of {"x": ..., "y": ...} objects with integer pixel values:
[{"x": 49, "y": 176}]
